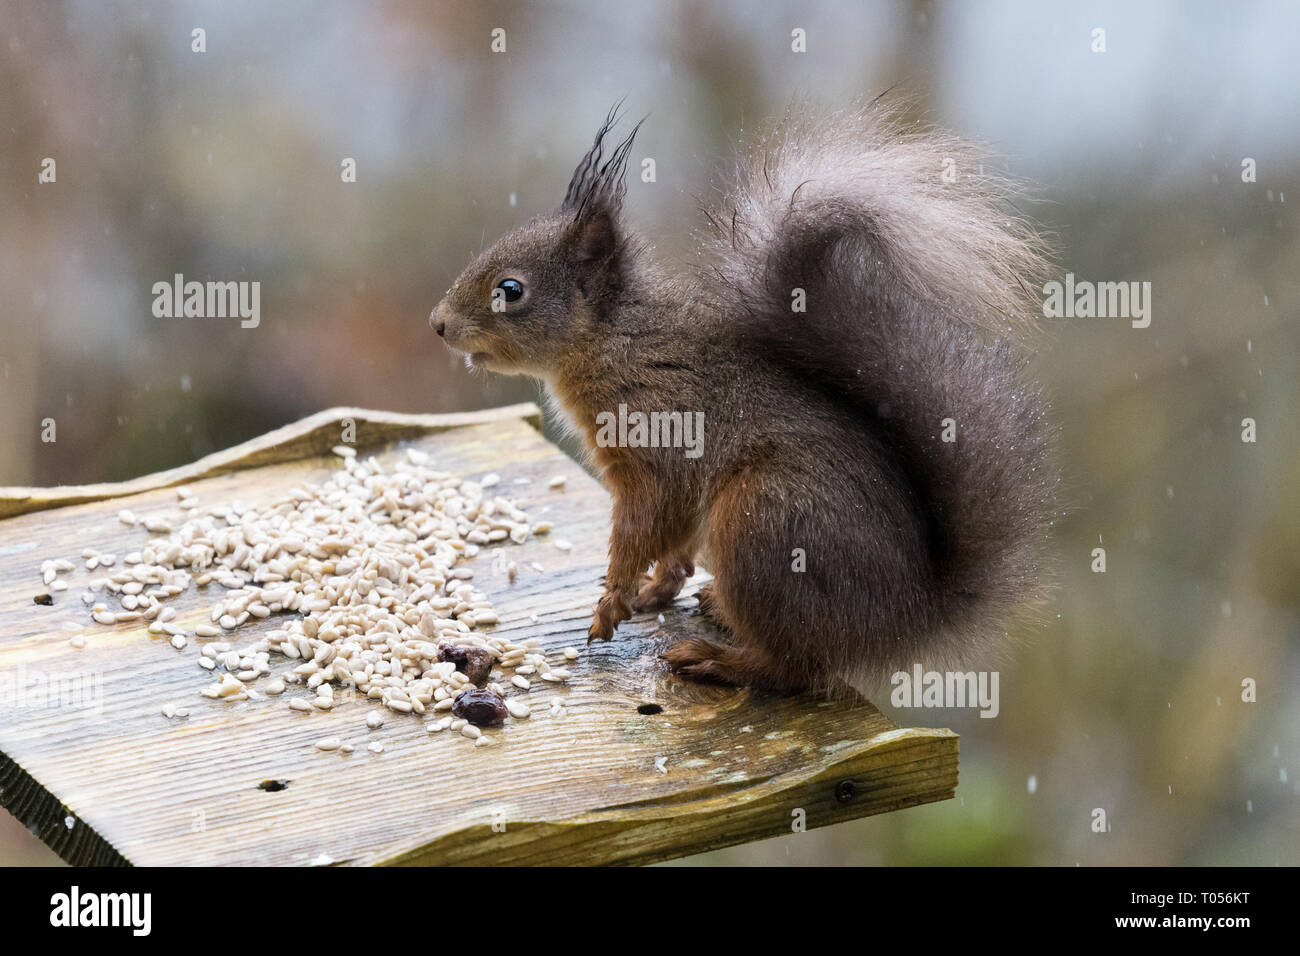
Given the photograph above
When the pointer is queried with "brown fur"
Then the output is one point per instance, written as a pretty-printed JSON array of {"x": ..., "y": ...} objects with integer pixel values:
[{"x": 822, "y": 428}]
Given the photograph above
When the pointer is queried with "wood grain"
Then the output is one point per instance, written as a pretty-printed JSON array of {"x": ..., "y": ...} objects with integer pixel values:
[{"x": 116, "y": 782}]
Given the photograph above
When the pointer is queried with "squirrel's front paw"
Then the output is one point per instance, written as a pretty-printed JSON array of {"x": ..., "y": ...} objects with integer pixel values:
[
  {"x": 611, "y": 609},
  {"x": 660, "y": 588}
]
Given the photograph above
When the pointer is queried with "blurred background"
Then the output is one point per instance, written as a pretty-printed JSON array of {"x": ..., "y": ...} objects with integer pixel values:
[{"x": 226, "y": 165}]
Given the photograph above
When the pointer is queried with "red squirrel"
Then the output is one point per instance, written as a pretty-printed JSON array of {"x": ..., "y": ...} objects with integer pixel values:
[{"x": 872, "y": 484}]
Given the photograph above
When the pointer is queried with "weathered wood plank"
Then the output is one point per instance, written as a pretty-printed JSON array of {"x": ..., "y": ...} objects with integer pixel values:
[
  {"x": 311, "y": 436},
  {"x": 604, "y": 783}
]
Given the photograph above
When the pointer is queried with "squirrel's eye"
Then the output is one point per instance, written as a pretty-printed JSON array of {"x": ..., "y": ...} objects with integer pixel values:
[{"x": 512, "y": 289}]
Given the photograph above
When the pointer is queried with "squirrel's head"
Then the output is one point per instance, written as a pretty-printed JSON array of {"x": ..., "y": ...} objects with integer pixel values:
[{"x": 539, "y": 295}]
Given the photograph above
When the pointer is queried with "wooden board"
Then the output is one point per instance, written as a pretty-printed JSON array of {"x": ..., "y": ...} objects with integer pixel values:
[{"x": 115, "y": 782}]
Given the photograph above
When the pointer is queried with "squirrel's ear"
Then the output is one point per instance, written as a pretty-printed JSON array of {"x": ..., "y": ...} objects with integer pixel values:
[
  {"x": 594, "y": 238},
  {"x": 595, "y": 196},
  {"x": 595, "y": 200}
]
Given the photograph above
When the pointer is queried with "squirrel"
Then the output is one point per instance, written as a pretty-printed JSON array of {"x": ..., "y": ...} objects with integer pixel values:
[{"x": 873, "y": 486}]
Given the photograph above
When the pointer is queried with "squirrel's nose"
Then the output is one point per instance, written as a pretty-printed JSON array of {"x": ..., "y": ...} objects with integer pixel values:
[{"x": 439, "y": 325}]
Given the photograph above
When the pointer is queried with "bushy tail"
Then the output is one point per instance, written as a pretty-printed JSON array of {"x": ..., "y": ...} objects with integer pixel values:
[{"x": 918, "y": 284}]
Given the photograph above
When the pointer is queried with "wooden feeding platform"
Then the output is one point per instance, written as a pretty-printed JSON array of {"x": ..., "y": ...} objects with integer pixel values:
[{"x": 642, "y": 765}]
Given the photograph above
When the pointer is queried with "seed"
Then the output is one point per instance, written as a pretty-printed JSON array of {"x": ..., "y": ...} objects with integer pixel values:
[
  {"x": 520, "y": 682},
  {"x": 518, "y": 709},
  {"x": 374, "y": 720},
  {"x": 570, "y": 653},
  {"x": 371, "y": 568},
  {"x": 470, "y": 731},
  {"x": 563, "y": 545},
  {"x": 375, "y": 747},
  {"x": 556, "y": 482},
  {"x": 45, "y": 600},
  {"x": 329, "y": 743},
  {"x": 78, "y": 641}
]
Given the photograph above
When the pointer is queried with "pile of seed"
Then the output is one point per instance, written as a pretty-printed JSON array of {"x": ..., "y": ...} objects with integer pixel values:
[{"x": 367, "y": 569}]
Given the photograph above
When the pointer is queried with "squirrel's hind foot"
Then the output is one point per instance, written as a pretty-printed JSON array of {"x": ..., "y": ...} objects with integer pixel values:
[{"x": 710, "y": 661}]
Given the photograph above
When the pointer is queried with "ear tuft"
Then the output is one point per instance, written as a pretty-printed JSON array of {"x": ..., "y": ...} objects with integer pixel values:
[
  {"x": 598, "y": 182},
  {"x": 595, "y": 201}
]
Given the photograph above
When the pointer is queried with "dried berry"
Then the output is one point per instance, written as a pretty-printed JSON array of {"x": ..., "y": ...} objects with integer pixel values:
[
  {"x": 44, "y": 599},
  {"x": 480, "y": 707},
  {"x": 476, "y": 662}
]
